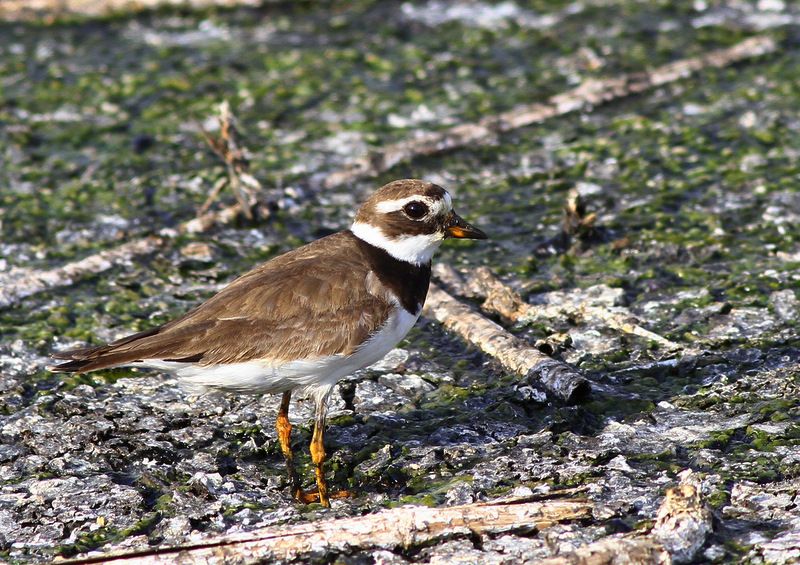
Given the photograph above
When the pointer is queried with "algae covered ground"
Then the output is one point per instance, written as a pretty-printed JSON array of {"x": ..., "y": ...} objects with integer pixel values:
[{"x": 694, "y": 185}]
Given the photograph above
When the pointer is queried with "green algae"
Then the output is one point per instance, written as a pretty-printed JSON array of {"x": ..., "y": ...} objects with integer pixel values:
[
  {"x": 415, "y": 500},
  {"x": 90, "y": 541}
]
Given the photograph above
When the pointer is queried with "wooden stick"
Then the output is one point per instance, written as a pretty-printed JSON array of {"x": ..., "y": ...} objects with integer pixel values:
[
  {"x": 683, "y": 522},
  {"x": 245, "y": 187},
  {"x": 503, "y": 300},
  {"x": 407, "y": 527},
  {"x": 513, "y": 353},
  {"x": 588, "y": 95},
  {"x": 681, "y": 528},
  {"x": 627, "y": 323},
  {"x": 38, "y": 281}
]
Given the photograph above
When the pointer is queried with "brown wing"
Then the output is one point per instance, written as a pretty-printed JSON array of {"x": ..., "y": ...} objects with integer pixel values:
[{"x": 313, "y": 301}]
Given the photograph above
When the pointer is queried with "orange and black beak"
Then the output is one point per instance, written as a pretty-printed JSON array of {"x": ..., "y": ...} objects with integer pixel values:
[{"x": 455, "y": 226}]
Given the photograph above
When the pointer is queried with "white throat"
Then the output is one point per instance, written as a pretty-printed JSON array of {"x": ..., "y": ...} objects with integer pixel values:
[{"x": 416, "y": 249}]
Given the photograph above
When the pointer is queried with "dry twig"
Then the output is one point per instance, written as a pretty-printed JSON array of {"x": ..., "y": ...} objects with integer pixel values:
[
  {"x": 39, "y": 281},
  {"x": 514, "y": 354},
  {"x": 588, "y": 94},
  {"x": 409, "y": 526},
  {"x": 578, "y": 228},
  {"x": 503, "y": 300},
  {"x": 683, "y": 522},
  {"x": 682, "y": 526},
  {"x": 243, "y": 185}
]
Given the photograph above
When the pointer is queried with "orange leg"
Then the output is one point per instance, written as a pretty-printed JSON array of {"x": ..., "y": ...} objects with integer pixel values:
[
  {"x": 284, "y": 429},
  {"x": 318, "y": 454}
]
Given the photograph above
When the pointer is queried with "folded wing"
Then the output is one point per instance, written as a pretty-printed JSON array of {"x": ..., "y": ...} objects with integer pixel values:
[{"x": 293, "y": 307}]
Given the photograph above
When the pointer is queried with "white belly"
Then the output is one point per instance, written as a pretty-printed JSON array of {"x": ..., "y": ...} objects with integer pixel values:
[{"x": 261, "y": 377}]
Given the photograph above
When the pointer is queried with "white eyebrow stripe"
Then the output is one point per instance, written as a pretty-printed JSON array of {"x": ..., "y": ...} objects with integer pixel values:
[
  {"x": 437, "y": 206},
  {"x": 394, "y": 205}
]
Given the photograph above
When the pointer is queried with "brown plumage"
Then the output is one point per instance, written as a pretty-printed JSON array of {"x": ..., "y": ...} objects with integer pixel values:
[{"x": 293, "y": 307}]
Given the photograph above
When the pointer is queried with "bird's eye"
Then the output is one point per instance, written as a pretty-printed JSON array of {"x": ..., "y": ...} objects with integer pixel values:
[{"x": 415, "y": 210}]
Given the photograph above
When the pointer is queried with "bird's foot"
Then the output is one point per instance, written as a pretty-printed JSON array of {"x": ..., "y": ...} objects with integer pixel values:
[{"x": 304, "y": 497}]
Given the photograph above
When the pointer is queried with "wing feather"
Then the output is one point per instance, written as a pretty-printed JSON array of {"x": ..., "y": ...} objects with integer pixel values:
[{"x": 295, "y": 306}]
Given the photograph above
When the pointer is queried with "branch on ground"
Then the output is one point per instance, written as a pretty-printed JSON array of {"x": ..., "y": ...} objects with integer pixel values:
[
  {"x": 682, "y": 526},
  {"x": 587, "y": 96},
  {"x": 579, "y": 229},
  {"x": 499, "y": 298},
  {"x": 683, "y": 522},
  {"x": 514, "y": 354},
  {"x": 50, "y": 10},
  {"x": 405, "y": 527},
  {"x": 35, "y": 281}
]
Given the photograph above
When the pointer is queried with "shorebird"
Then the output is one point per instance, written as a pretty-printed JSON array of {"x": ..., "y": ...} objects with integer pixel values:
[{"x": 305, "y": 319}]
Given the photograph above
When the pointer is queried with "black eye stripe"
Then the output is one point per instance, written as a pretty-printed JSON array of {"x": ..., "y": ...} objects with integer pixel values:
[
  {"x": 399, "y": 224},
  {"x": 415, "y": 209}
]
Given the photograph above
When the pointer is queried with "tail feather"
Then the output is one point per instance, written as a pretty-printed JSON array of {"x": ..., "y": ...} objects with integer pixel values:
[
  {"x": 120, "y": 352},
  {"x": 72, "y": 354},
  {"x": 82, "y": 366}
]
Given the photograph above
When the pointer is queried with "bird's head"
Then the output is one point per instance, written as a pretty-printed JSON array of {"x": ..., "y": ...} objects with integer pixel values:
[{"x": 409, "y": 219}]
